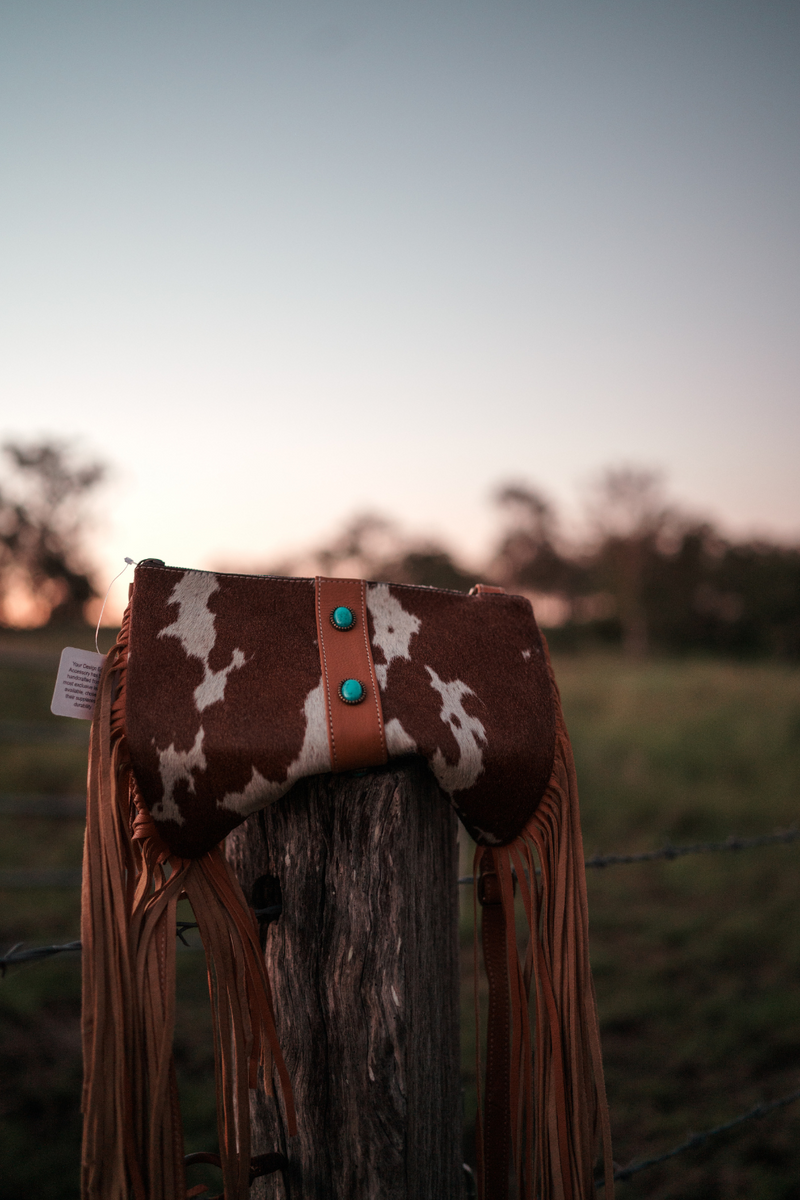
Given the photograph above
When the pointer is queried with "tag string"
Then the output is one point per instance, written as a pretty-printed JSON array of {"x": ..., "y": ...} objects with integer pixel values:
[{"x": 129, "y": 562}]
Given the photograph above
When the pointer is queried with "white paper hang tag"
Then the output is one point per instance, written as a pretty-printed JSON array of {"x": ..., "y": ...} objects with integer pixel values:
[{"x": 76, "y": 683}]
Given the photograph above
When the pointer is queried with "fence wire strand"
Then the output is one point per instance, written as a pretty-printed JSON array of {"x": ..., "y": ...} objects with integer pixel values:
[
  {"x": 66, "y": 877},
  {"x": 697, "y": 1139},
  {"x": 669, "y": 852},
  {"x": 18, "y": 955},
  {"x": 732, "y": 842}
]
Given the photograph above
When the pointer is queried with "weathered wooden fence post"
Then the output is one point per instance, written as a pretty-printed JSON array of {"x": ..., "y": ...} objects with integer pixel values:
[{"x": 364, "y": 970}]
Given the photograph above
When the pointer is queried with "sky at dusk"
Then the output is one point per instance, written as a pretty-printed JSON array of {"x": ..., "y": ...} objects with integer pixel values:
[{"x": 278, "y": 263}]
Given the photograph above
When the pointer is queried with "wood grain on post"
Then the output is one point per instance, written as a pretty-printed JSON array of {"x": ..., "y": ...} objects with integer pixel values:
[{"x": 364, "y": 969}]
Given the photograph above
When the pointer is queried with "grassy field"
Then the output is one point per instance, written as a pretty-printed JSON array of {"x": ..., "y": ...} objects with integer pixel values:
[{"x": 697, "y": 960}]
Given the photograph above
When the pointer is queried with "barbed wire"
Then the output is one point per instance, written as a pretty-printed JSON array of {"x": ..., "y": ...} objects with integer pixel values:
[
  {"x": 18, "y": 955},
  {"x": 69, "y": 877},
  {"x": 670, "y": 852},
  {"x": 697, "y": 1139},
  {"x": 31, "y": 732},
  {"x": 620, "y": 1174},
  {"x": 60, "y": 877}
]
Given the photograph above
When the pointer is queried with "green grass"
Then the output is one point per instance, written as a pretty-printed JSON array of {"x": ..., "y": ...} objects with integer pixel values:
[
  {"x": 697, "y": 961},
  {"x": 40, "y": 1063}
]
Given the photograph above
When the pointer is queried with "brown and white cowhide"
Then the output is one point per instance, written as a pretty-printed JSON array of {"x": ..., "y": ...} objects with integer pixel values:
[{"x": 225, "y": 706}]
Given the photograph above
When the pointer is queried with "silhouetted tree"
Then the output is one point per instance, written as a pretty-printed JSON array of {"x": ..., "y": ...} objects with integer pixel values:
[
  {"x": 43, "y": 526},
  {"x": 530, "y": 555},
  {"x": 630, "y": 518},
  {"x": 366, "y": 541},
  {"x": 646, "y": 575},
  {"x": 753, "y": 593},
  {"x": 372, "y": 547},
  {"x": 430, "y": 565}
]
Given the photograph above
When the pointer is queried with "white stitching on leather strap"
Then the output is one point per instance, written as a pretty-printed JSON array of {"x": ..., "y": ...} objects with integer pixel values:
[
  {"x": 325, "y": 672},
  {"x": 369, "y": 665}
]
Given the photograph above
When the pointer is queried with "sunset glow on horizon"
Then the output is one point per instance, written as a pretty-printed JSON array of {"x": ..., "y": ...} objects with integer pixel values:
[{"x": 281, "y": 264}]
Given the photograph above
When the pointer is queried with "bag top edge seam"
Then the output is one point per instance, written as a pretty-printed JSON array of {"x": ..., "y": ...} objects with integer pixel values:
[{"x": 147, "y": 565}]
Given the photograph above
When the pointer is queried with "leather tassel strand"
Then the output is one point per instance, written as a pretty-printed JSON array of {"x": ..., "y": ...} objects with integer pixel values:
[
  {"x": 543, "y": 1076},
  {"x": 132, "y": 1136},
  {"x": 555, "y": 1093}
]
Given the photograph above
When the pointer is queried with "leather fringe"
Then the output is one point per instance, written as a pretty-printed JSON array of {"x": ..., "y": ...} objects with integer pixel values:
[
  {"x": 545, "y": 1093},
  {"x": 132, "y": 1133}
]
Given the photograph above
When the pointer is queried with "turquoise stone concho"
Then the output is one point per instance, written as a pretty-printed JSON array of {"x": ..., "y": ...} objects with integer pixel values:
[
  {"x": 343, "y": 618},
  {"x": 351, "y": 691}
]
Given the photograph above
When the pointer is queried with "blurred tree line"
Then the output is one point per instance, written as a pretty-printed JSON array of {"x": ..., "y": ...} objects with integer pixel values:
[
  {"x": 46, "y": 574},
  {"x": 651, "y": 577},
  {"x": 643, "y": 576}
]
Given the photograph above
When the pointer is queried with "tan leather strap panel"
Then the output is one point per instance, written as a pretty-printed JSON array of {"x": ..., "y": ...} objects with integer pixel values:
[
  {"x": 355, "y": 731},
  {"x": 497, "y": 1114}
]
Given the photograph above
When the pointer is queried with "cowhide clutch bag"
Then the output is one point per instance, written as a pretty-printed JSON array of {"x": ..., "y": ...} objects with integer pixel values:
[
  {"x": 221, "y": 692},
  {"x": 236, "y": 688}
]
